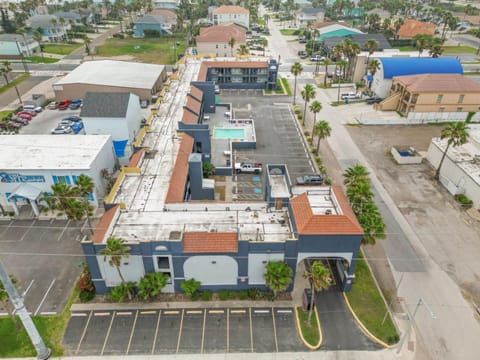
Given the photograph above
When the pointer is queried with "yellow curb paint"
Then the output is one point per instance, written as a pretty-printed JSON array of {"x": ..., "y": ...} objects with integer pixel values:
[
  {"x": 171, "y": 312},
  {"x": 320, "y": 338},
  {"x": 216, "y": 311},
  {"x": 194, "y": 312},
  {"x": 237, "y": 311},
  {"x": 373, "y": 337}
]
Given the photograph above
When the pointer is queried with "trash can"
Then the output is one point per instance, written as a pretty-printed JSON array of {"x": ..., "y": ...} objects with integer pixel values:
[{"x": 307, "y": 297}]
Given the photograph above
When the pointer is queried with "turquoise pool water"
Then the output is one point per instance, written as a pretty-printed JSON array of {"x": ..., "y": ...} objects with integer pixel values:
[{"x": 226, "y": 133}]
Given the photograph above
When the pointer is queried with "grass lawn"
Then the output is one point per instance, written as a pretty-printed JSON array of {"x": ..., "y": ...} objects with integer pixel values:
[
  {"x": 368, "y": 304},
  {"x": 17, "y": 81},
  {"x": 309, "y": 329},
  {"x": 60, "y": 49},
  {"x": 40, "y": 60},
  {"x": 16, "y": 343},
  {"x": 463, "y": 49},
  {"x": 289, "y": 31},
  {"x": 150, "y": 50},
  {"x": 5, "y": 113},
  {"x": 406, "y": 48},
  {"x": 286, "y": 86}
]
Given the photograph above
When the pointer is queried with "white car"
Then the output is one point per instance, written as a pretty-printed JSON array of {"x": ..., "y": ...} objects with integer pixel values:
[
  {"x": 350, "y": 96},
  {"x": 61, "y": 130}
]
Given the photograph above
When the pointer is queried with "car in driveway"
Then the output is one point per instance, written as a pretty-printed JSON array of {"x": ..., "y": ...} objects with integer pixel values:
[
  {"x": 61, "y": 130},
  {"x": 315, "y": 179},
  {"x": 373, "y": 100}
]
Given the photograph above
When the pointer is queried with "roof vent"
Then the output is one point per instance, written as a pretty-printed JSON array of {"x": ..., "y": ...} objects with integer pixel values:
[{"x": 328, "y": 212}]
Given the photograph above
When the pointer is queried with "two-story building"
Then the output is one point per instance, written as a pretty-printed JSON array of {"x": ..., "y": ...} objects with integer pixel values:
[
  {"x": 227, "y": 14},
  {"x": 306, "y": 16},
  {"x": 15, "y": 46},
  {"x": 52, "y": 29},
  {"x": 216, "y": 40}
]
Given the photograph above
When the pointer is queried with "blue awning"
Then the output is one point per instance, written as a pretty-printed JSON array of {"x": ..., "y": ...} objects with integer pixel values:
[{"x": 119, "y": 147}]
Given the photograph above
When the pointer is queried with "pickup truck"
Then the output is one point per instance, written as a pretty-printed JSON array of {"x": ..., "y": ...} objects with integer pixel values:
[
  {"x": 248, "y": 167},
  {"x": 350, "y": 96}
]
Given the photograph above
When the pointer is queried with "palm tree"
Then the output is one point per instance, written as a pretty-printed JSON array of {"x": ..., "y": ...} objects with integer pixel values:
[
  {"x": 308, "y": 93},
  {"x": 37, "y": 35},
  {"x": 373, "y": 67},
  {"x": 315, "y": 108},
  {"x": 266, "y": 17},
  {"x": 322, "y": 130},
  {"x": 278, "y": 276},
  {"x": 326, "y": 63},
  {"x": 114, "y": 251},
  {"x": 371, "y": 46},
  {"x": 296, "y": 70},
  {"x": 397, "y": 24},
  {"x": 355, "y": 174},
  {"x": 85, "y": 187},
  {"x": 456, "y": 135},
  {"x": 264, "y": 43},
  {"x": 54, "y": 28},
  {"x": 243, "y": 50},
  {"x": 5, "y": 70},
  {"x": 62, "y": 23},
  {"x": 421, "y": 42},
  {"x": 231, "y": 43},
  {"x": 87, "y": 42},
  {"x": 319, "y": 278}
]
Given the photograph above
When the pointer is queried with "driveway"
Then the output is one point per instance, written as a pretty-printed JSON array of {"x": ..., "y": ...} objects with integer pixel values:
[
  {"x": 177, "y": 331},
  {"x": 45, "y": 257}
]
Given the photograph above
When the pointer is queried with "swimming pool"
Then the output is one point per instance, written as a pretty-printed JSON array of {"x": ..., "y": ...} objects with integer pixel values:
[{"x": 228, "y": 133}]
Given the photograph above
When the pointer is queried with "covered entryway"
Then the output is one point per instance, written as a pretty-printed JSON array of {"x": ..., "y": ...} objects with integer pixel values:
[{"x": 24, "y": 194}]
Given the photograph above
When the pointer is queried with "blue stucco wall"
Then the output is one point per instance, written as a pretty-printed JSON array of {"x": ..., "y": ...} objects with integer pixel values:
[{"x": 208, "y": 88}]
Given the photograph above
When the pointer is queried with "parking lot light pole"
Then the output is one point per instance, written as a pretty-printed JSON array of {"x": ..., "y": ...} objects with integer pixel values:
[
  {"x": 411, "y": 319},
  {"x": 43, "y": 352}
]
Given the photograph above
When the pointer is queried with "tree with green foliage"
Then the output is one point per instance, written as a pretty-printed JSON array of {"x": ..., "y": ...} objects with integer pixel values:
[
  {"x": 208, "y": 169},
  {"x": 84, "y": 187},
  {"x": 151, "y": 285},
  {"x": 456, "y": 135},
  {"x": 4, "y": 302},
  {"x": 114, "y": 251},
  {"x": 278, "y": 276},
  {"x": 231, "y": 43},
  {"x": 122, "y": 291},
  {"x": 319, "y": 278},
  {"x": 190, "y": 287},
  {"x": 322, "y": 130},
  {"x": 308, "y": 93},
  {"x": 355, "y": 174},
  {"x": 326, "y": 63},
  {"x": 296, "y": 70},
  {"x": 315, "y": 108},
  {"x": 371, "y": 45}
]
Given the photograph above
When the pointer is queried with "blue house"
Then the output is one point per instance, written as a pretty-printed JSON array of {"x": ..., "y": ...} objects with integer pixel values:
[{"x": 150, "y": 22}]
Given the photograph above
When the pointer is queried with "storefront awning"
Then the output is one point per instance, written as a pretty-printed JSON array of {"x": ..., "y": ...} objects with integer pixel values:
[{"x": 26, "y": 191}]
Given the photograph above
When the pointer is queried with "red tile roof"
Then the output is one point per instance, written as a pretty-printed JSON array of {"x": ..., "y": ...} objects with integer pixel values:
[
  {"x": 222, "y": 34},
  {"x": 136, "y": 158},
  {"x": 193, "y": 105},
  {"x": 412, "y": 27},
  {"x": 189, "y": 117},
  {"x": 104, "y": 224},
  {"x": 210, "y": 242},
  {"x": 178, "y": 181},
  {"x": 202, "y": 74},
  {"x": 230, "y": 9},
  {"x": 196, "y": 93},
  {"x": 436, "y": 83},
  {"x": 310, "y": 224}
]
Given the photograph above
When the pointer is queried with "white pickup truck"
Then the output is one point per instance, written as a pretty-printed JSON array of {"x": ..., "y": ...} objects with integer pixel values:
[{"x": 248, "y": 167}]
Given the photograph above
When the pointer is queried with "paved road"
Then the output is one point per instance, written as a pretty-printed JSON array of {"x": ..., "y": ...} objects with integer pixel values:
[{"x": 11, "y": 96}]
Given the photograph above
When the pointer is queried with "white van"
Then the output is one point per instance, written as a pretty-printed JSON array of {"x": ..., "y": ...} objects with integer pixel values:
[{"x": 32, "y": 107}]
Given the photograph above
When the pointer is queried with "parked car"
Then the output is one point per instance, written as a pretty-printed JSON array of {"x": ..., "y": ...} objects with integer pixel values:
[
  {"x": 373, "y": 100},
  {"x": 63, "y": 105},
  {"x": 12, "y": 125},
  {"x": 73, "y": 118},
  {"x": 302, "y": 40},
  {"x": 310, "y": 180},
  {"x": 29, "y": 112},
  {"x": 317, "y": 58},
  {"x": 61, "y": 130},
  {"x": 77, "y": 127},
  {"x": 65, "y": 123},
  {"x": 19, "y": 120},
  {"x": 52, "y": 105},
  {"x": 350, "y": 96},
  {"x": 74, "y": 106},
  {"x": 302, "y": 54},
  {"x": 24, "y": 115},
  {"x": 32, "y": 108},
  {"x": 76, "y": 101}
]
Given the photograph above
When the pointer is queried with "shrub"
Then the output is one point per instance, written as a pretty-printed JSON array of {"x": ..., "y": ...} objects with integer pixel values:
[
  {"x": 206, "y": 295},
  {"x": 464, "y": 201},
  {"x": 86, "y": 296},
  {"x": 151, "y": 285},
  {"x": 223, "y": 295},
  {"x": 190, "y": 287},
  {"x": 327, "y": 181},
  {"x": 243, "y": 294},
  {"x": 306, "y": 133},
  {"x": 254, "y": 294},
  {"x": 300, "y": 116},
  {"x": 120, "y": 292},
  {"x": 314, "y": 151}
]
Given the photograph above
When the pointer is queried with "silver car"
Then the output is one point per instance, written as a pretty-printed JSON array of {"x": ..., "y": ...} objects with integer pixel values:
[{"x": 62, "y": 130}]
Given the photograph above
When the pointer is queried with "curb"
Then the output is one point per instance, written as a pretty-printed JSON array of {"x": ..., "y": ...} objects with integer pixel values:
[
  {"x": 320, "y": 339},
  {"x": 357, "y": 320}
]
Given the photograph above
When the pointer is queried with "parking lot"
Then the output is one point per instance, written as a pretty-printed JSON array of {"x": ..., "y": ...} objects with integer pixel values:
[
  {"x": 45, "y": 257},
  {"x": 45, "y": 121},
  {"x": 176, "y": 331}
]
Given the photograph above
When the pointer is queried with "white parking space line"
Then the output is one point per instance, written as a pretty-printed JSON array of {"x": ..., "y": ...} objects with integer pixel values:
[
  {"x": 156, "y": 332},
  {"x": 228, "y": 332},
  {"x": 251, "y": 329},
  {"x": 79, "y": 314},
  {"x": 27, "y": 231},
  {"x": 284, "y": 311},
  {"x": 179, "y": 333},
  {"x": 48, "y": 313},
  {"x": 28, "y": 288},
  {"x": 261, "y": 311},
  {"x": 63, "y": 231},
  {"x": 203, "y": 331},
  {"x": 274, "y": 330},
  {"x": 108, "y": 334},
  {"x": 44, "y": 297},
  {"x": 132, "y": 332},
  {"x": 83, "y": 333}
]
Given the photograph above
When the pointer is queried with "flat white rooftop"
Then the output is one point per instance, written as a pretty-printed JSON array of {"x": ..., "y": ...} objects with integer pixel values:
[
  {"x": 50, "y": 152},
  {"x": 321, "y": 198},
  {"x": 114, "y": 73}
]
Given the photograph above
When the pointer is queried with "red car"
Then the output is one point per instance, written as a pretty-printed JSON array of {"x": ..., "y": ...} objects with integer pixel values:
[
  {"x": 29, "y": 112},
  {"x": 63, "y": 105},
  {"x": 24, "y": 115}
]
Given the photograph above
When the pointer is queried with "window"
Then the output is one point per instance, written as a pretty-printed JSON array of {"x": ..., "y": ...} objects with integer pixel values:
[
  {"x": 216, "y": 46},
  {"x": 442, "y": 109},
  {"x": 61, "y": 180},
  {"x": 460, "y": 99},
  {"x": 459, "y": 109},
  {"x": 163, "y": 262},
  {"x": 439, "y": 99}
]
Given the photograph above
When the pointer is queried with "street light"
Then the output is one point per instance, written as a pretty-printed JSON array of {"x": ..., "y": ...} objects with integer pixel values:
[{"x": 412, "y": 319}]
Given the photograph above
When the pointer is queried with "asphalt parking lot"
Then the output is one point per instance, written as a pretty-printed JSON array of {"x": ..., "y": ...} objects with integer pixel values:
[
  {"x": 177, "y": 331},
  {"x": 45, "y": 258},
  {"x": 45, "y": 121}
]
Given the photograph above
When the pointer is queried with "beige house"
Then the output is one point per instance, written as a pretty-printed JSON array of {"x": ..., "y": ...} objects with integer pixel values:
[
  {"x": 434, "y": 93},
  {"x": 143, "y": 80},
  {"x": 215, "y": 40},
  {"x": 226, "y": 14}
]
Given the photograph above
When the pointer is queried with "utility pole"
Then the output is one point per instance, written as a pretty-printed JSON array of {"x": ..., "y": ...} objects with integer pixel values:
[{"x": 43, "y": 352}]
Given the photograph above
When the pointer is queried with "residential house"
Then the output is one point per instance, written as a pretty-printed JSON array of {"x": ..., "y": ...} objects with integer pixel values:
[
  {"x": 328, "y": 43},
  {"x": 151, "y": 22},
  {"x": 303, "y": 3},
  {"x": 433, "y": 93},
  {"x": 116, "y": 114},
  {"x": 215, "y": 40},
  {"x": 460, "y": 172},
  {"x": 412, "y": 27},
  {"x": 15, "y": 46},
  {"x": 308, "y": 16},
  {"x": 390, "y": 67},
  {"x": 334, "y": 29},
  {"x": 231, "y": 14},
  {"x": 75, "y": 17},
  {"x": 49, "y": 26},
  {"x": 170, "y": 18},
  {"x": 166, "y": 4}
]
